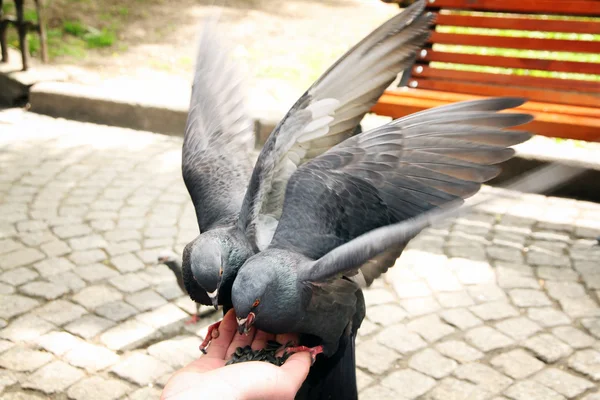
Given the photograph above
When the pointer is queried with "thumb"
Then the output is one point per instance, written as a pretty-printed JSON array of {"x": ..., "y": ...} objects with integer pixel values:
[{"x": 296, "y": 368}]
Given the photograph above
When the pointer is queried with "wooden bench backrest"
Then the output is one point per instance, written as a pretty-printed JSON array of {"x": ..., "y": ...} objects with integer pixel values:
[{"x": 453, "y": 58}]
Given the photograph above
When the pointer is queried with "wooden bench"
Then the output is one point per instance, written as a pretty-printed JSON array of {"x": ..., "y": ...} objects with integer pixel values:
[{"x": 460, "y": 64}]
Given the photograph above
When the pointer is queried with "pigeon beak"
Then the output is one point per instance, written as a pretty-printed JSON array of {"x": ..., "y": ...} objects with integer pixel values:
[
  {"x": 214, "y": 298},
  {"x": 244, "y": 324}
]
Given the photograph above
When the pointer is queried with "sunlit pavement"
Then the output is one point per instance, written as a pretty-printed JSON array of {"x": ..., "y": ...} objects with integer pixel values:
[{"x": 500, "y": 304}]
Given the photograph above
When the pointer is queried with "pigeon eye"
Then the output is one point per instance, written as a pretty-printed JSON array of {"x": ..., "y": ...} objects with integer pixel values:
[
  {"x": 221, "y": 272},
  {"x": 256, "y": 303}
]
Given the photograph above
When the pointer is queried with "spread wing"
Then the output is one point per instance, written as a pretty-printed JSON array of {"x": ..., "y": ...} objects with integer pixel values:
[
  {"x": 218, "y": 136},
  {"x": 329, "y": 113},
  {"x": 396, "y": 172}
]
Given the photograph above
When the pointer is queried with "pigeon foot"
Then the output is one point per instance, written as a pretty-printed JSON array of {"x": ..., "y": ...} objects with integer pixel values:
[
  {"x": 213, "y": 333},
  {"x": 314, "y": 351},
  {"x": 195, "y": 318}
]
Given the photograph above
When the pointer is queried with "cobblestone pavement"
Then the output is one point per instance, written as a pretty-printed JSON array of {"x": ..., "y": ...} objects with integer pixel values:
[{"x": 500, "y": 304}]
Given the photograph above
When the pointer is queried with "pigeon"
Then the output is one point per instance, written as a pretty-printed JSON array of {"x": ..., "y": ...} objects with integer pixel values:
[
  {"x": 171, "y": 260},
  {"x": 238, "y": 215},
  {"x": 328, "y": 239}
]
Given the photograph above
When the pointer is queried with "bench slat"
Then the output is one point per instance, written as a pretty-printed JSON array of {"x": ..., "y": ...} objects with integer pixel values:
[
  {"x": 522, "y": 24},
  {"x": 510, "y": 62},
  {"x": 575, "y": 46},
  {"x": 506, "y": 79},
  {"x": 574, "y": 98},
  {"x": 572, "y": 7}
]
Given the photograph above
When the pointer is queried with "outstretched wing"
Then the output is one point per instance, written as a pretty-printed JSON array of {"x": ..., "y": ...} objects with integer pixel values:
[
  {"x": 218, "y": 136},
  {"x": 396, "y": 172},
  {"x": 329, "y": 113}
]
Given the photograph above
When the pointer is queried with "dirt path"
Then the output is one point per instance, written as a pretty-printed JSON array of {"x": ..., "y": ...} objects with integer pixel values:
[{"x": 286, "y": 44}]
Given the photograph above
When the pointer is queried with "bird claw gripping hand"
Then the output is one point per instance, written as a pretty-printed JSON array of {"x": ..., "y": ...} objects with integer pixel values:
[
  {"x": 314, "y": 351},
  {"x": 212, "y": 333}
]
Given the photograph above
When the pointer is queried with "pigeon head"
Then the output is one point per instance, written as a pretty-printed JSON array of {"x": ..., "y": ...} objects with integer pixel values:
[
  {"x": 168, "y": 258},
  {"x": 265, "y": 294},
  {"x": 203, "y": 257}
]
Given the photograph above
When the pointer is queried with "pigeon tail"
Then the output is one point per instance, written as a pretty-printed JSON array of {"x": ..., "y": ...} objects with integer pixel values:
[{"x": 334, "y": 377}]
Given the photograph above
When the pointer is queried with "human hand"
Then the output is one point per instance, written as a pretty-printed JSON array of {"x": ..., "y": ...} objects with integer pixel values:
[{"x": 209, "y": 378}]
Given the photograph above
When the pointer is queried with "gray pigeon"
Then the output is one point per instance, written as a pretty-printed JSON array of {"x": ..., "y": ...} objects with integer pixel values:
[
  {"x": 172, "y": 260},
  {"x": 308, "y": 280},
  {"x": 215, "y": 167}
]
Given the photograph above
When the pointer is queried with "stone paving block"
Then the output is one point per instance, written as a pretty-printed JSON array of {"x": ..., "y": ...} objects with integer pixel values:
[
  {"x": 386, "y": 314},
  {"x": 367, "y": 328},
  {"x": 69, "y": 279},
  {"x": 90, "y": 357},
  {"x": 178, "y": 352},
  {"x": 586, "y": 362},
  {"x": 573, "y": 336},
  {"x": 494, "y": 311},
  {"x": 460, "y": 351},
  {"x": 592, "y": 396},
  {"x": 55, "y": 248},
  {"x": 60, "y": 312},
  {"x": 432, "y": 363},
  {"x": 560, "y": 290},
  {"x": 430, "y": 327},
  {"x": 163, "y": 316},
  {"x": 119, "y": 248},
  {"x": 145, "y": 300},
  {"x": 454, "y": 389},
  {"x": 546, "y": 258},
  {"x": 96, "y": 272},
  {"x": 25, "y": 328},
  {"x": 531, "y": 390},
  {"x": 168, "y": 290},
  {"x": 36, "y": 239},
  {"x": 510, "y": 278},
  {"x": 592, "y": 325},
  {"x": 411, "y": 384},
  {"x": 53, "y": 266},
  {"x": 557, "y": 274},
  {"x": 374, "y": 357},
  {"x": 518, "y": 328},
  {"x": 362, "y": 380},
  {"x": 517, "y": 364},
  {"x": 144, "y": 393},
  {"x": 483, "y": 376},
  {"x": 547, "y": 347},
  {"x": 120, "y": 235},
  {"x": 454, "y": 299},
  {"x": 407, "y": 290},
  {"x": 46, "y": 290},
  {"x": 471, "y": 272},
  {"x": 98, "y": 388},
  {"x": 580, "y": 307},
  {"x": 58, "y": 342},
  {"x": 94, "y": 296},
  {"x": 127, "y": 263},
  {"x": 7, "y": 378},
  {"x": 23, "y": 359},
  {"x": 420, "y": 306},
  {"x": 89, "y": 326},
  {"x": 6, "y": 289},
  {"x": 116, "y": 311},
  {"x": 529, "y": 298},
  {"x": 563, "y": 382},
  {"x": 486, "y": 293},
  {"x": 53, "y": 378},
  {"x": 102, "y": 225},
  {"x": 141, "y": 369},
  {"x": 548, "y": 316},
  {"x": 399, "y": 338},
  {"x": 88, "y": 242},
  {"x": 127, "y": 335},
  {"x": 86, "y": 257},
  {"x": 487, "y": 339},
  {"x": 72, "y": 230},
  {"x": 19, "y": 258},
  {"x": 130, "y": 283},
  {"x": 18, "y": 276},
  {"x": 8, "y": 245},
  {"x": 5, "y": 345}
]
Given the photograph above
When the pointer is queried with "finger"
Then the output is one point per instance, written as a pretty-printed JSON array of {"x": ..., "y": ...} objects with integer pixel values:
[
  {"x": 218, "y": 346},
  {"x": 296, "y": 368},
  {"x": 260, "y": 340},
  {"x": 241, "y": 340}
]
